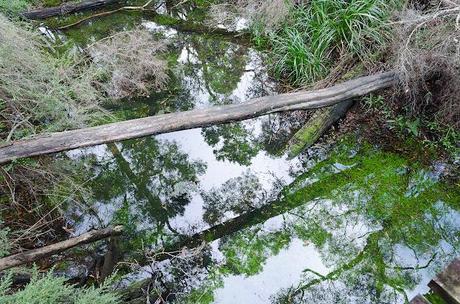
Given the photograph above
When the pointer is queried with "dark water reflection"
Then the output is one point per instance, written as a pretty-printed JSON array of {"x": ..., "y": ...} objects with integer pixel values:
[{"x": 350, "y": 224}]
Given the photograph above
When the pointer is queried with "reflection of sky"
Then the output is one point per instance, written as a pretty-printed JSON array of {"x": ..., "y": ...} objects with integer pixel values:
[
  {"x": 254, "y": 77},
  {"x": 218, "y": 172},
  {"x": 280, "y": 271}
]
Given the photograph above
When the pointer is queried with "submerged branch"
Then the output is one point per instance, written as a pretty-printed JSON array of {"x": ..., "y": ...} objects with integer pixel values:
[
  {"x": 68, "y": 140},
  {"x": 67, "y": 8},
  {"x": 120, "y": 9},
  {"x": 39, "y": 253}
]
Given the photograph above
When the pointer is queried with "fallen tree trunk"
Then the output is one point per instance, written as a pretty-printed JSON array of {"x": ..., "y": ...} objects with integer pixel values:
[
  {"x": 67, "y": 8},
  {"x": 68, "y": 140},
  {"x": 315, "y": 127},
  {"x": 39, "y": 253}
]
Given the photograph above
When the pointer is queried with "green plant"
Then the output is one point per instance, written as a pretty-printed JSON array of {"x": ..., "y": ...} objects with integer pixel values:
[
  {"x": 373, "y": 102},
  {"x": 42, "y": 92},
  {"x": 323, "y": 30},
  {"x": 51, "y": 289},
  {"x": 14, "y": 7}
]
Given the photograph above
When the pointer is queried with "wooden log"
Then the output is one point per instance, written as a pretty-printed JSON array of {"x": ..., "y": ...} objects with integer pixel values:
[
  {"x": 39, "y": 253},
  {"x": 68, "y": 140},
  {"x": 447, "y": 283},
  {"x": 67, "y": 8},
  {"x": 315, "y": 127}
]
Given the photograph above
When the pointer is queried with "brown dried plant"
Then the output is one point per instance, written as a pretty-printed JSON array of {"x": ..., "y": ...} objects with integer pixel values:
[
  {"x": 131, "y": 61},
  {"x": 427, "y": 51}
]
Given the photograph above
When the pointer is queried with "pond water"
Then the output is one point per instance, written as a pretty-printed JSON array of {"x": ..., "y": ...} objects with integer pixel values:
[{"x": 342, "y": 223}]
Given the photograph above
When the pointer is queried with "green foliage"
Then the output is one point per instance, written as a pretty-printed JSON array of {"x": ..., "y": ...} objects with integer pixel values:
[
  {"x": 232, "y": 142},
  {"x": 394, "y": 202},
  {"x": 51, "y": 289},
  {"x": 246, "y": 253},
  {"x": 304, "y": 50}
]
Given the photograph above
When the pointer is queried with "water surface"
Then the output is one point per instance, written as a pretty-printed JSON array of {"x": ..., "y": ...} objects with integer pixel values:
[{"x": 342, "y": 223}]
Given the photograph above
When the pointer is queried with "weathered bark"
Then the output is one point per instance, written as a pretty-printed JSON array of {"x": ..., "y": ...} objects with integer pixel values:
[
  {"x": 68, "y": 140},
  {"x": 39, "y": 253},
  {"x": 315, "y": 127},
  {"x": 447, "y": 283},
  {"x": 67, "y": 8}
]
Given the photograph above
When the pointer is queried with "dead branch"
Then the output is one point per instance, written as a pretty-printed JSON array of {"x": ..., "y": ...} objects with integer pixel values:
[
  {"x": 39, "y": 253},
  {"x": 124, "y": 8}
]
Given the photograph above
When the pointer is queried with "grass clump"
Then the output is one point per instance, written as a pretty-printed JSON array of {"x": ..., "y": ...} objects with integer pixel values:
[{"x": 323, "y": 32}]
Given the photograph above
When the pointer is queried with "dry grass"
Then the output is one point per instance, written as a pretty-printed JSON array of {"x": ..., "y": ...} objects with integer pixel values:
[
  {"x": 428, "y": 61},
  {"x": 39, "y": 92},
  {"x": 131, "y": 61}
]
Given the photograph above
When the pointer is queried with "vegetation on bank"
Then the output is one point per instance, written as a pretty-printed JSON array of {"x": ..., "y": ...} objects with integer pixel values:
[{"x": 44, "y": 90}]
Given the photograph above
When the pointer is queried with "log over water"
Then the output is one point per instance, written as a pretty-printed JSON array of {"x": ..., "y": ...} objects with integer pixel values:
[
  {"x": 67, "y": 8},
  {"x": 40, "y": 253},
  {"x": 304, "y": 100}
]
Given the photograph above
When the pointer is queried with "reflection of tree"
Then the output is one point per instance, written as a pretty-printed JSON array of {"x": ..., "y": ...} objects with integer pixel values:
[
  {"x": 278, "y": 128},
  {"x": 237, "y": 195},
  {"x": 232, "y": 142},
  {"x": 360, "y": 212},
  {"x": 396, "y": 207},
  {"x": 214, "y": 66},
  {"x": 154, "y": 180}
]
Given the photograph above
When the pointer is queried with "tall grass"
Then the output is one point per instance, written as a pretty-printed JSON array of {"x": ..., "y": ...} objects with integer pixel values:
[
  {"x": 41, "y": 92},
  {"x": 324, "y": 30}
]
